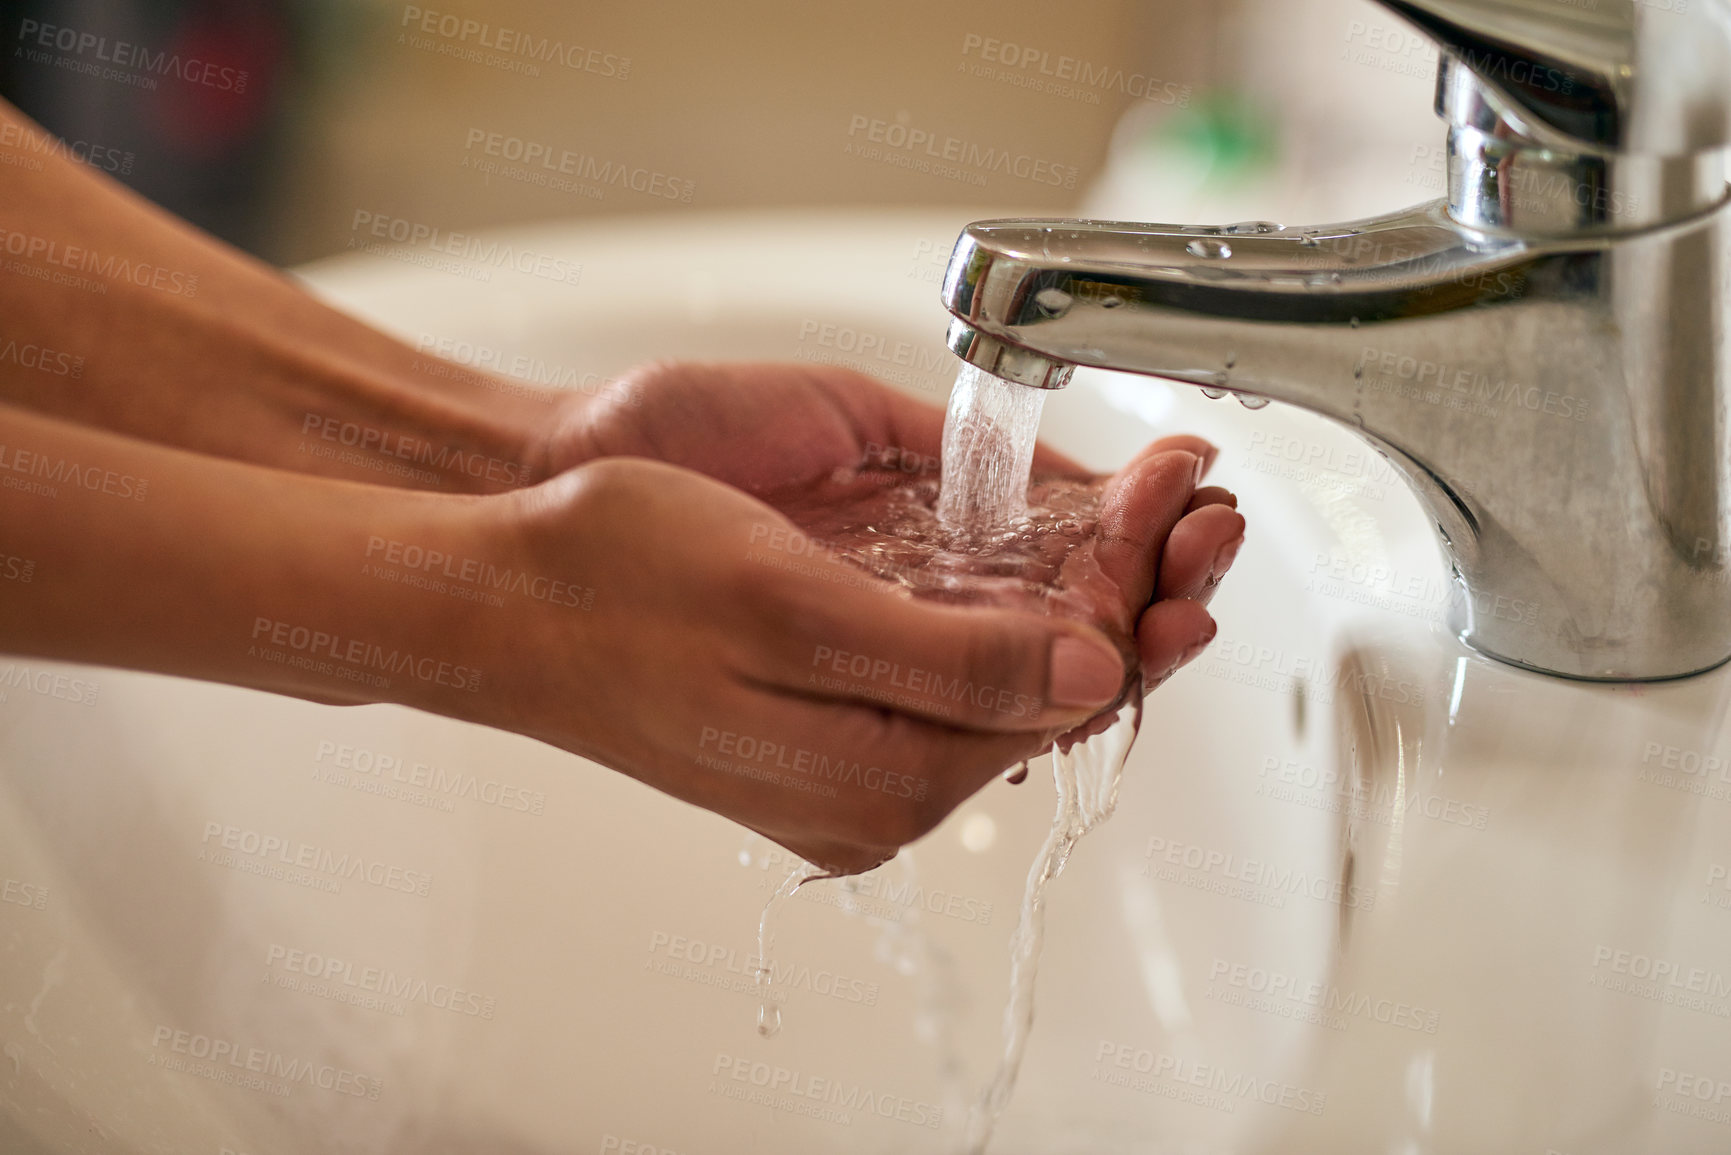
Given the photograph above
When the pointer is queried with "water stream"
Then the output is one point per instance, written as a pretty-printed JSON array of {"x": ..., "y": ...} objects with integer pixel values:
[
  {"x": 989, "y": 441},
  {"x": 768, "y": 1012},
  {"x": 1087, "y": 778},
  {"x": 989, "y": 533}
]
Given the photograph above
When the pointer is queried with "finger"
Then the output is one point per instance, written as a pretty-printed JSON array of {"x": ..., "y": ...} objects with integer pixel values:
[
  {"x": 1140, "y": 508},
  {"x": 1213, "y": 495},
  {"x": 1199, "y": 551},
  {"x": 1098, "y": 724},
  {"x": 1183, "y": 442},
  {"x": 1170, "y": 635},
  {"x": 882, "y": 780},
  {"x": 972, "y": 668}
]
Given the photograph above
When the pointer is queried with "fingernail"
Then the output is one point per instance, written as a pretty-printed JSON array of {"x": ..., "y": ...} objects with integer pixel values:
[
  {"x": 1084, "y": 673},
  {"x": 1224, "y": 559},
  {"x": 1201, "y": 468},
  {"x": 1208, "y": 459}
]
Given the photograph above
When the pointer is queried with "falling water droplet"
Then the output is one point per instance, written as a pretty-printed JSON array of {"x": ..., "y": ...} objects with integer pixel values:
[
  {"x": 1211, "y": 392},
  {"x": 1053, "y": 302},
  {"x": 1209, "y": 249},
  {"x": 1232, "y": 360},
  {"x": 1354, "y": 322},
  {"x": 768, "y": 1020}
]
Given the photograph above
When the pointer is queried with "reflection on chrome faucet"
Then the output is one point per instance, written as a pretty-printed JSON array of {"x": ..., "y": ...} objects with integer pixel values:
[{"x": 1541, "y": 355}]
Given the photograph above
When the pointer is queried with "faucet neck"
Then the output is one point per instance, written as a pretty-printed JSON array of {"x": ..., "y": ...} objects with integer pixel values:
[
  {"x": 1499, "y": 183},
  {"x": 1511, "y": 175}
]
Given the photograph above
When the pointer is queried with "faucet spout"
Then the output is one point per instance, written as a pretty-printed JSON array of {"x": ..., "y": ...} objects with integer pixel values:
[
  {"x": 1542, "y": 354},
  {"x": 1530, "y": 389}
]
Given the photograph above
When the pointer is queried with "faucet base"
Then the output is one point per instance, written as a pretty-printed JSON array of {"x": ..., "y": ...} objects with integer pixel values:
[{"x": 1477, "y": 647}]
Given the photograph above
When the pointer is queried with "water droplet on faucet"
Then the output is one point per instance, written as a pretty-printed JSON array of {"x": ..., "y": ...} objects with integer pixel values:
[
  {"x": 1053, "y": 302},
  {"x": 1112, "y": 303},
  {"x": 1252, "y": 228},
  {"x": 1252, "y": 402},
  {"x": 1209, "y": 249},
  {"x": 1213, "y": 393}
]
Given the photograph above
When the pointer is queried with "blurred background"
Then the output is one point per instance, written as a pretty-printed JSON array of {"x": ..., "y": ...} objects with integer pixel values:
[{"x": 273, "y": 123}]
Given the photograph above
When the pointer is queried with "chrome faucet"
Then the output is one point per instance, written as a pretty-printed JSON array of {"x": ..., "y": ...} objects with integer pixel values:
[{"x": 1542, "y": 354}]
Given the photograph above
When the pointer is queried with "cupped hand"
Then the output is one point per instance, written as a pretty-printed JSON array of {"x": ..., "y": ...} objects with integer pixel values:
[
  {"x": 785, "y": 433},
  {"x": 725, "y": 663}
]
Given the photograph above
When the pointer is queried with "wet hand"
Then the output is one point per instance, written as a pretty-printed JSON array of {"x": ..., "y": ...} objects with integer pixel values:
[
  {"x": 794, "y": 692},
  {"x": 783, "y": 432}
]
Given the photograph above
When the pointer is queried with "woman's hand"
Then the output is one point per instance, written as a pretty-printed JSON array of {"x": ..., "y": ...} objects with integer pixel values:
[
  {"x": 725, "y": 662},
  {"x": 782, "y": 432},
  {"x": 640, "y": 613}
]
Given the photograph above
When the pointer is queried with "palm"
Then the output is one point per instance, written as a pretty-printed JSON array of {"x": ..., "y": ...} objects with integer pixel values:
[
  {"x": 794, "y": 437},
  {"x": 770, "y": 430}
]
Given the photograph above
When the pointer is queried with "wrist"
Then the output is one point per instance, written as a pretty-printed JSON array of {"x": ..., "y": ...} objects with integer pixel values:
[
  {"x": 463, "y": 592},
  {"x": 390, "y": 621},
  {"x": 403, "y": 426}
]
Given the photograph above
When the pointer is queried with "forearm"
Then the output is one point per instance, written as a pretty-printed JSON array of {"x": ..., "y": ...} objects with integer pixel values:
[
  {"x": 118, "y": 552},
  {"x": 115, "y": 314}
]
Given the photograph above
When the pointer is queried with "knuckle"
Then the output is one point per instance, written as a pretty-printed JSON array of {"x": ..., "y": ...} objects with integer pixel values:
[
  {"x": 996, "y": 663},
  {"x": 605, "y": 486}
]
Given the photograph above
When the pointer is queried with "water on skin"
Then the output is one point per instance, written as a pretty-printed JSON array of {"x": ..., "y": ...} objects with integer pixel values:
[{"x": 989, "y": 534}]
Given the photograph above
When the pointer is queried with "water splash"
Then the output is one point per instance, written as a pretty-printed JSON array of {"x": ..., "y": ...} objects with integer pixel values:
[
  {"x": 1087, "y": 779},
  {"x": 768, "y": 1013}
]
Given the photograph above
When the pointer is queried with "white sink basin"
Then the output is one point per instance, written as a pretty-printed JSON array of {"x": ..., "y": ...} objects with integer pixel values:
[{"x": 1365, "y": 891}]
